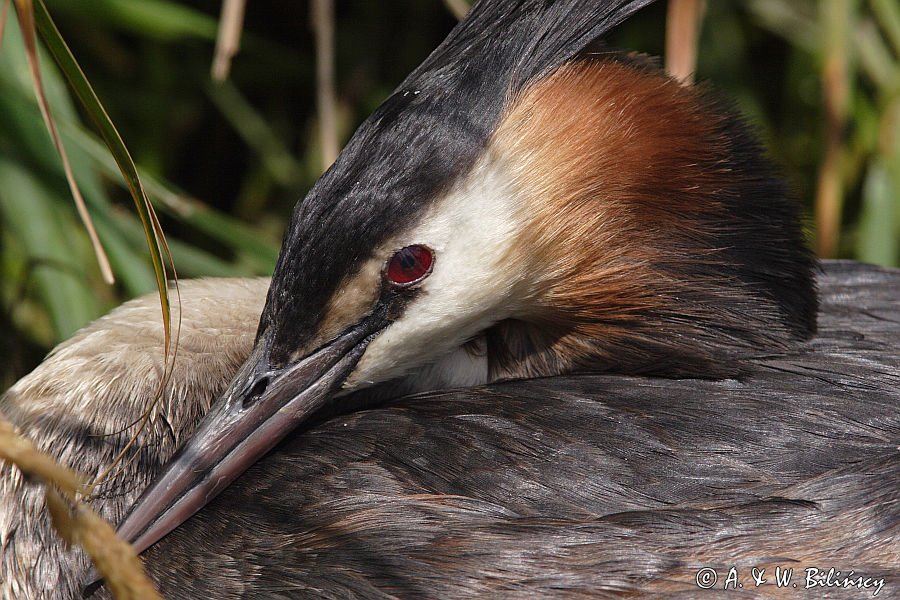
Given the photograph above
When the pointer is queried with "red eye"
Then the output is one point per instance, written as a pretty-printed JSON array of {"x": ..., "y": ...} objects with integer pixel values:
[{"x": 410, "y": 264}]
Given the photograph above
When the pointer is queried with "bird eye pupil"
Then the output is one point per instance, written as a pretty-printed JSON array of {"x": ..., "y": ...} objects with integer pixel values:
[
  {"x": 410, "y": 264},
  {"x": 408, "y": 261}
]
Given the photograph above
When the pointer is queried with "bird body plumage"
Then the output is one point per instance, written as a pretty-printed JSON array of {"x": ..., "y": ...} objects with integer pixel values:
[{"x": 578, "y": 486}]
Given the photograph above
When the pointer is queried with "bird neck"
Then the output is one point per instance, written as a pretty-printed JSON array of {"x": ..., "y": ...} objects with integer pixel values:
[{"x": 659, "y": 240}]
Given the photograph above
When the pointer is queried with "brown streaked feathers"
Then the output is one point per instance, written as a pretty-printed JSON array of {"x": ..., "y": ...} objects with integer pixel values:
[{"x": 642, "y": 198}]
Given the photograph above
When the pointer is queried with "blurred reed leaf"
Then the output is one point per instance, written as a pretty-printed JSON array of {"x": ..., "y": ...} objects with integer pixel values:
[
  {"x": 256, "y": 254},
  {"x": 255, "y": 132},
  {"x": 879, "y": 216},
  {"x": 887, "y": 13},
  {"x": 857, "y": 45},
  {"x": 26, "y": 17},
  {"x": 43, "y": 309},
  {"x": 30, "y": 212},
  {"x": 156, "y": 19},
  {"x": 156, "y": 241},
  {"x": 797, "y": 22},
  {"x": 875, "y": 57}
]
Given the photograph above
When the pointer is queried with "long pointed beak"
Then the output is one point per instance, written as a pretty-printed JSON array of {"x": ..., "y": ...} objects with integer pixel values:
[{"x": 261, "y": 406}]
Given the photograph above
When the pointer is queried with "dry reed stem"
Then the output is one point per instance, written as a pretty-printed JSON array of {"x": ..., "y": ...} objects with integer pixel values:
[
  {"x": 326, "y": 98},
  {"x": 459, "y": 8},
  {"x": 76, "y": 523},
  {"x": 4, "y": 11},
  {"x": 228, "y": 40},
  {"x": 25, "y": 13},
  {"x": 683, "y": 22},
  {"x": 835, "y": 93},
  {"x": 34, "y": 463}
]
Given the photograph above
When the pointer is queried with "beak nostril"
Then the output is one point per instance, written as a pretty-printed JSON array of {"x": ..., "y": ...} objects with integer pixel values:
[{"x": 258, "y": 389}]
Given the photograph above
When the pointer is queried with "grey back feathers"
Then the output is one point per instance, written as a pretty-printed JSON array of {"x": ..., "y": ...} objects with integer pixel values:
[{"x": 577, "y": 486}]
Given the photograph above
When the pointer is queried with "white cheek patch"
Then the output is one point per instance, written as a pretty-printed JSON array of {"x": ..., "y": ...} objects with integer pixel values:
[{"x": 471, "y": 230}]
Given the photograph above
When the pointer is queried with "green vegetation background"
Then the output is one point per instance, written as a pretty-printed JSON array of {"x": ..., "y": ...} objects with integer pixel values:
[{"x": 226, "y": 163}]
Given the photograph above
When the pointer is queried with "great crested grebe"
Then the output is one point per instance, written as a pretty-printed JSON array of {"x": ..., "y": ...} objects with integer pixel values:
[{"x": 527, "y": 204}]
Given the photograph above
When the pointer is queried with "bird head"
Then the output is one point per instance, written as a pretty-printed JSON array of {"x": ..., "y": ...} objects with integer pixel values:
[{"x": 527, "y": 203}]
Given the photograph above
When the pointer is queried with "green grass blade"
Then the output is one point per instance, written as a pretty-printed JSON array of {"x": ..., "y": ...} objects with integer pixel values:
[
  {"x": 875, "y": 57},
  {"x": 254, "y": 130},
  {"x": 85, "y": 93},
  {"x": 888, "y": 14},
  {"x": 25, "y": 14},
  {"x": 259, "y": 252},
  {"x": 158, "y": 19},
  {"x": 31, "y": 211},
  {"x": 877, "y": 240}
]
